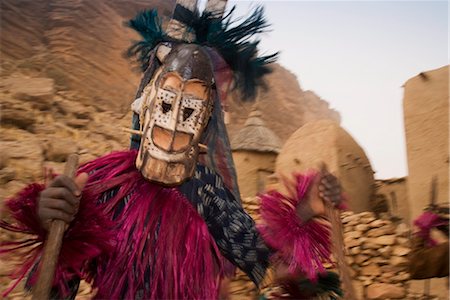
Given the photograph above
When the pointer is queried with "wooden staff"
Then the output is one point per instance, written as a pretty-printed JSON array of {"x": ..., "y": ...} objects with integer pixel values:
[
  {"x": 52, "y": 247},
  {"x": 337, "y": 238}
]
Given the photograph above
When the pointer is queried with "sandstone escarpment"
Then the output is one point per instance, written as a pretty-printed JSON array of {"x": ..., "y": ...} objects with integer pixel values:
[
  {"x": 284, "y": 105},
  {"x": 80, "y": 44}
]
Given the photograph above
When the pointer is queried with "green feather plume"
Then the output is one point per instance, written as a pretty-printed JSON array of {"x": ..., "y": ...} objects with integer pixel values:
[{"x": 232, "y": 39}]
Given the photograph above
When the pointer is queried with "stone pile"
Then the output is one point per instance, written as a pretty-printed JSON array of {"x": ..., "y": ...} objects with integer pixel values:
[{"x": 377, "y": 252}]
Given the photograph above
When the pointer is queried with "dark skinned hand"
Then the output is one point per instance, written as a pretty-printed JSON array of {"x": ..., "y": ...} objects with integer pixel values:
[
  {"x": 325, "y": 189},
  {"x": 61, "y": 199}
]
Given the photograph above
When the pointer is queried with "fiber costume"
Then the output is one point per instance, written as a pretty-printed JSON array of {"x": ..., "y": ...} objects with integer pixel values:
[
  {"x": 428, "y": 259},
  {"x": 163, "y": 220}
]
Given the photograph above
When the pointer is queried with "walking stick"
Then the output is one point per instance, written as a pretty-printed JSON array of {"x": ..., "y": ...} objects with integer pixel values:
[
  {"x": 432, "y": 207},
  {"x": 339, "y": 247},
  {"x": 52, "y": 247}
]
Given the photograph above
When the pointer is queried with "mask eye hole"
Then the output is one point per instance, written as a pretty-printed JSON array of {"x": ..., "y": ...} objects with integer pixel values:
[
  {"x": 187, "y": 112},
  {"x": 166, "y": 107}
]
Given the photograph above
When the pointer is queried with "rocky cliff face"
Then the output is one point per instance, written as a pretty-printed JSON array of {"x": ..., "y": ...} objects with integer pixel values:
[
  {"x": 80, "y": 44},
  {"x": 283, "y": 104}
]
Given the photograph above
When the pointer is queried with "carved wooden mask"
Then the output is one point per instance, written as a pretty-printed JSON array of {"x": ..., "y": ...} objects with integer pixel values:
[{"x": 176, "y": 107}]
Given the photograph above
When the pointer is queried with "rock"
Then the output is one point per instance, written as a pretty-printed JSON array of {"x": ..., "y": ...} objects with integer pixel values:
[
  {"x": 365, "y": 277},
  {"x": 350, "y": 218},
  {"x": 115, "y": 146},
  {"x": 379, "y": 260},
  {"x": 371, "y": 269},
  {"x": 403, "y": 241},
  {"x": 25, "y": 156},
  {"x": 348, "y": 259},
  {"x": 398, "y": 261},
  {"x": 110, "y": 133},
  {"x": 362, "y": 227},
  {"x": 370, "y": 252},
  {"x": 348, "y": 228},
  {"x": 402, "y": 230},
  {"x": 346, "y": 213},
  {"x": 78, "y": 123},
  {"x": 84, "y": 158},
  {"x": 43, "y": 128},
  {"x": 370, "y": 245},
  {"x": 17, "y": 117},
  {"x": 401, "y": 251},
  {"x": 9, "y": 189},
  {"x": 403, "y": 276},
  {"x": 39, "y": 91},
  {"x": 366, "y": 214},
  {"x": 361, "y": 258},
  {"x": 385, "y": 251},
  {"x": 354, "y": 250},
  {"x": 4, "y": 157},
  {"x": 352, "y": 234},
  {"x": 353, "y": 223},
  {"x": 385, "y": 291},
  {"x": 377, "y": 223},
  {"x": 385, "y": 240},
  {"x": 367, "y": 220},
  {"x": 59, "y": 148},
  {"x": 367, "y": 282},
  {"x": 351, "y": 242},
  {"x": 7, "y": 174},
  {"x": 385, "y": 230},
  {"x": 387, "y": 275},
  {"x": 77, "y": 109}
]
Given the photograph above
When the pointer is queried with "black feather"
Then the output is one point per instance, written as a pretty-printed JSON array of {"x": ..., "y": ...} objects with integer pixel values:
[
  {"x": 233, "y": 39},
  {"x": 148, "y": 25}
]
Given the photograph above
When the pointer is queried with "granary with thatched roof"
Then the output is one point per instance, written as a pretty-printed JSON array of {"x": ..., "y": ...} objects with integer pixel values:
[{"x": 255, "y": 149}]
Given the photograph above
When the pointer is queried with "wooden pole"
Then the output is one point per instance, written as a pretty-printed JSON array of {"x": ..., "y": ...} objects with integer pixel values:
[
  {"x": 337, "y": 238},
  {"x": 53, "y": 245},
  {"x": 339, "y": 251}
]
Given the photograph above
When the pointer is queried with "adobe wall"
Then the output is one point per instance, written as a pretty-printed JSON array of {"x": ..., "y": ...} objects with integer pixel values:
[
  {"x": 252, "y": 170},
  {"x": 396, "y": 195},
  {"x": 426, "y": 110},
  {"x": 325, "y": 141}
]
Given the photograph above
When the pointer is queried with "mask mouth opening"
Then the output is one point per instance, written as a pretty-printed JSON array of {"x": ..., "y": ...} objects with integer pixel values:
[{"x": 171, "y": 141}]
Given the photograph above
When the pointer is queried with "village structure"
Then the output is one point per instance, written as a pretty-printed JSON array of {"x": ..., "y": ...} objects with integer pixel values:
[
  {"x": 378, "y": 224},
  {"x": 57, "y": 113}
]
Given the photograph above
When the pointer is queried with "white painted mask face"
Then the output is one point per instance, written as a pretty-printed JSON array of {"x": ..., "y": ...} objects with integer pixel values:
[{"x": 176, "y": 109}]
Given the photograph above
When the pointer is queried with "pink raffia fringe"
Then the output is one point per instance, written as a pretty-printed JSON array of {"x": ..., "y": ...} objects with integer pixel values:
[
  {"x": 303, "y": 246},
  {"x": 164, "y": 248},
  {"x": 88, "y": 237},
  {"x": 158, "y": 247},
  {"x": 425, "y": 222}
]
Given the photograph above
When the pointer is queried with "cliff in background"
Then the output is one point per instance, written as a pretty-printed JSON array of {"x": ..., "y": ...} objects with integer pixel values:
[
  {"x": 80, "y": 45},
  {"x": 284, "y": 105}
]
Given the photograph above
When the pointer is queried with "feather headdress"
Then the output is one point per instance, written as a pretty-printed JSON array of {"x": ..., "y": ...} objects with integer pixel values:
[{"x": 232, "y": 39}]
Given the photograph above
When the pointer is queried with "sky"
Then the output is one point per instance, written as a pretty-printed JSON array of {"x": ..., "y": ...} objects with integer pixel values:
[{"x": 356, "y": 55}]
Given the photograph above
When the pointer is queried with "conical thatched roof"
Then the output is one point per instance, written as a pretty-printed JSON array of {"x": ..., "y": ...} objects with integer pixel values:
[{"x": 255, "y": 136}]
